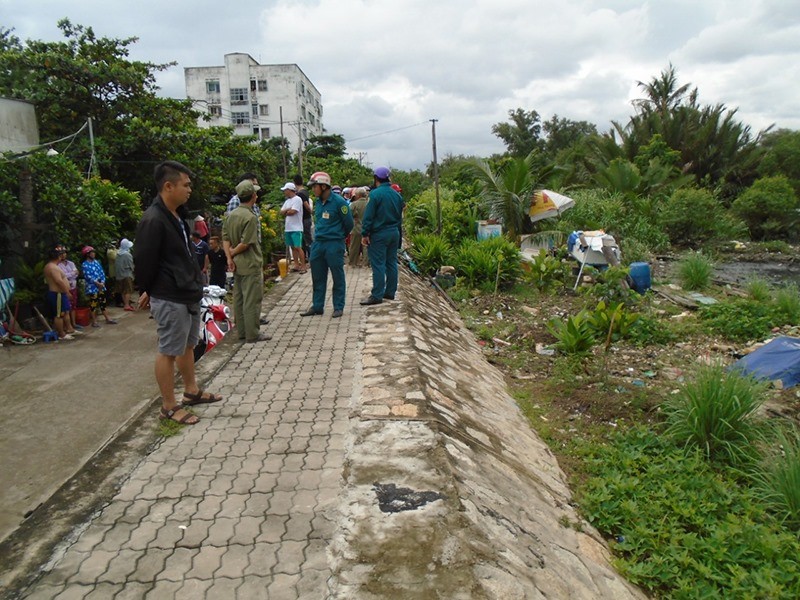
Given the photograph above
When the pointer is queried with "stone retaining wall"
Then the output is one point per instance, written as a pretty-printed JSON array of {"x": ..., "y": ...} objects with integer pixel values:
[{"x": 448, "y": 491}]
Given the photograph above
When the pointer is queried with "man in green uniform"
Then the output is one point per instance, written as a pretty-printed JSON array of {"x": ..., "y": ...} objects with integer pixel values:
[
  {"x": 380, "y": 230},
  {"x": 241, "y": 240},
  {"x": 333, "y": 221}
]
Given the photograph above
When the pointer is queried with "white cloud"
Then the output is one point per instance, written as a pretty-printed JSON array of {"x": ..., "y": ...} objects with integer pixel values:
[{"x": 386, "y": 68}]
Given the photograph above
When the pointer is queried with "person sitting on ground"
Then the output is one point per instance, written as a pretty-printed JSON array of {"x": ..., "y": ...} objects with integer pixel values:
[
  {"x": 125, "y": 273},
  {"x": 292, "y": 209},
  {"x": 95, "y": 279},
  {"x": 57, "y": 296}
]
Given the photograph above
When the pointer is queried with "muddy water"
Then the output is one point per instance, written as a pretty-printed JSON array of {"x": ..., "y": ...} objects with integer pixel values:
[{"x": 775, "y": 272}]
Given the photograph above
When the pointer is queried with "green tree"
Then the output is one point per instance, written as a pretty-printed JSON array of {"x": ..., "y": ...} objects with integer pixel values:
[
  {"x": 326, "y": 146},
  {"x": 523, "y": 134},
  {"x": 507, "y": 193},
  {"x": 769, "y": 208},
  {"x": 563, "y": 134},
  {"x": 715, "y": 148},
  {"x": 782, "y": 156}
]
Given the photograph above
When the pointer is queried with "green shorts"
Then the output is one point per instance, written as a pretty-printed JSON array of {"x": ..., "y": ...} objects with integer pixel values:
[{"x": 294, "y": 239}]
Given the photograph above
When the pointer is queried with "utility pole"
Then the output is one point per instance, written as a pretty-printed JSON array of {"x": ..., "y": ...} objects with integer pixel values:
[
  {"x": 283, "y": 144},
  {"x": 93, "y": 159},
  {"x": 300, "y": 145},
  {"x": 436, "y": 179}
]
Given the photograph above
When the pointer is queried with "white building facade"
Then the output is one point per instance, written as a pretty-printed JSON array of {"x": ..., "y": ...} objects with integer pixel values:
[{"x": 254, "y": 99}]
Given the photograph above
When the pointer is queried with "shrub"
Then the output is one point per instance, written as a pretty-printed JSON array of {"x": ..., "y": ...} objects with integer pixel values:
[
  {"x": 612, "y": 285},
  {"x": 574, "y": 335},
  {"x": 683, "y": 529},
  {"x": 478, "y": 262},
  {"x": 768, "y": 207},
  {"x": 739, "y": 320},
  {"x": 611, "y": 319},
  {"x": 715, "y": 412},
  {"x": 430, "y": 252},
  {"x": 695, "y": 271},
  {"x": 679, "y": 216},
  {"x": 545, "y": 272}
]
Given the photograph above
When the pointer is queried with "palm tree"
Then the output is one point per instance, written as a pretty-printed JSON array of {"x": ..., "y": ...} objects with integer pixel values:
[{"x": 507, "y": 192}]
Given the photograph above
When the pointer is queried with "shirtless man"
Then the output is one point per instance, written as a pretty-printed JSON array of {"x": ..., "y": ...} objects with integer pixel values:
[{"x": 58, "y": 296}]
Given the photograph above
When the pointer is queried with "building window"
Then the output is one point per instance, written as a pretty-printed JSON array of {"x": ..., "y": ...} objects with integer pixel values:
[
  {"x": 238, "y": 95},
  {"x": 240, "y": 118},
  {"x": 252, "y": 85},
  {"x": 215, "y": 110},
  {"x": 255, "y": 131},
  {"x": 303, "y": 111},
  {"x": 262, "y": 85},
  {"x": 254, "y": 109},
  {"x": 265, "y": 133},
  {"x": 212, "y": 86},
  {"x": 263, "y": 110}
]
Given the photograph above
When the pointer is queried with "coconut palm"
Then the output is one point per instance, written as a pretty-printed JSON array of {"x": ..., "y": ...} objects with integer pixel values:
[{"x": 506, "y": 193}]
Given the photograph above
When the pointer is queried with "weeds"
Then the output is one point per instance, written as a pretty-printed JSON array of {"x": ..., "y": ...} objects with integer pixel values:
[
  {"x": 778, "y": 479},
  {"x": 574, "y": 335},
  {"x": 739, "y": 320},
  {"x": 759, "y": 290},
  {"x": 786, "y": 307},
  {"x": 715, "y": 412},
  {"x": 695, "y": 271}
]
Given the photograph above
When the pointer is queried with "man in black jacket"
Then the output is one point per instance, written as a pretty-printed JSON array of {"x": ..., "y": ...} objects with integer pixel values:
[{"x": 171, "y": 285}]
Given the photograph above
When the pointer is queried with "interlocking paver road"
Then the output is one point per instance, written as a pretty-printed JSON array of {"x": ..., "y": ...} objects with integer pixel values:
[{"x": 241, "y": 504}]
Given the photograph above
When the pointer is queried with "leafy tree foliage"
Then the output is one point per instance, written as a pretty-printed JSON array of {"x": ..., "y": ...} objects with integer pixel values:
[
  {"x": 563, "y": 134},
  {"x": 507, "y": 193},
  {"x": 782, "y": 156},
  {"x": 523, "y": 134},
  {"x": 769, "y": 207},
  {"x": 715, "y": 148},
  {"x": 326, "y": 146}
]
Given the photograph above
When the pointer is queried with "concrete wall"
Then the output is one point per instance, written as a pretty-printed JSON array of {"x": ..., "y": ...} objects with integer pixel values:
[
  {"x": 287, "y": 87},
  {"x": 449, "y": 492},
  {"x": 18, "y": 128}
]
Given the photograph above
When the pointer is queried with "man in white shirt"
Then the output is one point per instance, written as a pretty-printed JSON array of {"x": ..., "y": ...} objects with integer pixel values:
[{"x": 292, "y": 209}]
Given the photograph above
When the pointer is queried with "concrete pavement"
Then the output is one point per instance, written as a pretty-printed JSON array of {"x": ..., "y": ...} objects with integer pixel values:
[{"x": 236, "y": 506}]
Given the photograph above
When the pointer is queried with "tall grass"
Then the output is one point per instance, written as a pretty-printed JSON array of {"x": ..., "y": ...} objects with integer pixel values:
[
  {"x": 778, "y": 480},
  {"x": 787, "y": 305},
  {"x": 759, "y": 289},
  {"x": 695, "y": 270},
  {"x": 715, "y": 411}
]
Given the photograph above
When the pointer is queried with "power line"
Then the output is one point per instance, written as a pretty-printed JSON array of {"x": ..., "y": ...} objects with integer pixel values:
[{"x": 385, "y": 132}]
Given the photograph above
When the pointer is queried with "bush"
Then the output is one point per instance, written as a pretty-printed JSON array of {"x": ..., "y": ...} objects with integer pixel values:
[
  {"x": 430, "y": 251},
  {"x": 769, "y": 208},
  {"x": 739, "y": 320},
  {"x": 715, "y": 412},
  {"x": 545, "y": 272},
  {"x": 691, "y": 217},
  {"x": 695, "y": 271},
  {"x": 682, "y": 529},
  {"x": 611, "y": 319},
  {"x": 574, "y": 335},
  {"x": 478, "y": 262}
]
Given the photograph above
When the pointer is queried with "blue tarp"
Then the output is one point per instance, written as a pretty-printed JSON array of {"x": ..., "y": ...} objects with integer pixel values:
[{"x": 779, "y": 359}]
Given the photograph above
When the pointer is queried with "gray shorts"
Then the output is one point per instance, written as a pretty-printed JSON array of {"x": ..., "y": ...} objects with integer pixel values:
[{"x": 177, "y": 327}]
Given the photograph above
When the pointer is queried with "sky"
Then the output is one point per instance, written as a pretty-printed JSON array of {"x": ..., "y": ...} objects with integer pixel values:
[{"x": 386, "y": 68}]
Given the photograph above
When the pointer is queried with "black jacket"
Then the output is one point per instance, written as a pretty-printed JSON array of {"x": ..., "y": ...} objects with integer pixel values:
[{"x": 166, "y": 266}]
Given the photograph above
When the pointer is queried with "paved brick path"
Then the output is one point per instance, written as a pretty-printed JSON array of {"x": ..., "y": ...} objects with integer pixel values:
[{"x": 240, "y": 505}]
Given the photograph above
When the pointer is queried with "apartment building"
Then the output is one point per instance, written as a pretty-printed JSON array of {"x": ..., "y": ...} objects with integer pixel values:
[{"x": 255, "y": 98}]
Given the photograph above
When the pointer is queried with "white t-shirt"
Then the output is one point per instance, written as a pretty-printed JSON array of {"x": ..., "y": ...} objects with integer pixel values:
[{"x": 294, "y": 222}]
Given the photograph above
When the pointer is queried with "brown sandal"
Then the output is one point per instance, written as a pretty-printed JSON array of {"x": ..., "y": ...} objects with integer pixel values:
[
  {"x": 185, "y": 420},
  {"x": 199, "y": 398}
]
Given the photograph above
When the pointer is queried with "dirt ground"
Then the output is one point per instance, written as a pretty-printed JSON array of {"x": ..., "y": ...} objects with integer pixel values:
[{"x": 594, "y": 395}]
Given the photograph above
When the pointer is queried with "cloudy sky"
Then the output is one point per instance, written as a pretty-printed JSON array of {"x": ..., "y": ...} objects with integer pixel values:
[{"x": 385, "y": 68}]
